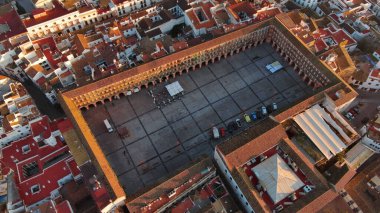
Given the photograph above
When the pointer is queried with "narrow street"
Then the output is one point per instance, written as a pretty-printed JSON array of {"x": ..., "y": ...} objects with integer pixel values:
[
  {"x": 368, "y": 109},
  {"x": 43, "y": 104}
]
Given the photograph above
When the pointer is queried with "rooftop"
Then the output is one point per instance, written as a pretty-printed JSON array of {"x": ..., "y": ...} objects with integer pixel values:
[
  {"x": 10, "y": 25},
  {"x": 276, "y": 177},
  {"x": 168, "y": 192},
  {"x": 40, "y": 15},
  {"x": 365, "y": 197},
  {"x": 37, "y": 165},
  {"x": 200, "y": 15}
]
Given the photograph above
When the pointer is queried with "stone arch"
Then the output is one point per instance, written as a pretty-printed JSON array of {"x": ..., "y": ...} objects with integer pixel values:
[
  {"x": 83, "y": 109},
  {"x": 98, "y": 103},
  {"x": 91, "y": 106},
  {"x": 122, "y": 94},
  {"x": 107, "y": 100},
  {"x": 143, "y": 87}
]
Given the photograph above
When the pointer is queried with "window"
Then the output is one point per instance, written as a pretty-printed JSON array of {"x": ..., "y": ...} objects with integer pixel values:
[
  {"x": 246, "y": 203},
  {"x": 241, "y": 195},
  {"x": 35, "y": 189},
  {"x": 225, "y": 170},
  {"x": 25, "y": 149}
]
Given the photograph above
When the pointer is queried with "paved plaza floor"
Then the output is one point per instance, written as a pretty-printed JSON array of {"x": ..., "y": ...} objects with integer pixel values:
[{"x": 162, "y": 141}]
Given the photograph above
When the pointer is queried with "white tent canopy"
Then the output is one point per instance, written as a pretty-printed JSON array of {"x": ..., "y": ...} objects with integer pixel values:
[
  {"x": 278, "y": 179},
  {"x": 315, "y": 122},
  {"x": 174, "y": 88},
  {"x": 274, "y": 67}
]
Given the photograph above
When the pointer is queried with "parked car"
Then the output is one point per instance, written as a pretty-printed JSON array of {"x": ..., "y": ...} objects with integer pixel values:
[
  {"x": 254, "y": 116},
  {"x": 274, "y": 107},
  {"x": 353, "y": 112},
  {"x": 215, "y": 132},
  {"x": 247, "y": 118},
  {"x": 349, "y": 116},
  {"x": 222, "y": 131},
  {"x": 259, "y": 115},
  {"x": 356, "y": 109},
  {"x": 264, "y": 110},
  {"x": 238, "y": 122},
  {"x": 307, "y": 189},
  {"x": 269, "y": 109},
  {"x": 231, "y": 126}
]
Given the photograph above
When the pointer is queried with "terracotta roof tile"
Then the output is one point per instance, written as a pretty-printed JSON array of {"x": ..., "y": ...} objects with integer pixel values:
[{"x": 11, "y": 24}]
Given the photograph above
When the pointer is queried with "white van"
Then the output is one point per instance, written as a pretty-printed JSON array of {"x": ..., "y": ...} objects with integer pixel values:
[
  {"x": 215, "y": 132},
  {"x": 108, "y": 125}
]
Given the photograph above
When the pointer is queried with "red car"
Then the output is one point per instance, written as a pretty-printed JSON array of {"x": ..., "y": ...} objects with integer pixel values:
[{"x": 222, "y": 132}]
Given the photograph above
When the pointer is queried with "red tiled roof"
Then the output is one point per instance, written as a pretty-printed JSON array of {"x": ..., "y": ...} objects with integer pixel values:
[
  {"x": 41, "y": 81},
  {"x": 49, "y": 49},
  {"x": 102, "y": 10},
  {"x": 64, "y": 207},
  {"x": 14, "y": 23},
  {"x": 131, "y": 40},
  {"x": 265, "y": 14},
  {"x": 205, "y": 7},
  {"x": 64, "y": 125},
  {"x": 243, "y": 6},
  {"x": 65, "y": 74},
  {"x": 56, "y": 12},
  {"x": 73, "y": 167},
  {"x": 336, "y": 18},
  {"x": 179, "y": 45},
  {"x": 49, "y": 173},
  {"x": 41, "y": 128},
  {"x": 341, "y": 36},
  {"x": 320, "y": 45},
  {"x": 159, "y": 54},
  {"x": 375, "y": 73},
  {"x": 118, "y": 1},
  {"x": 158, "y": 196},
  {"x": 320, "y": 202}
]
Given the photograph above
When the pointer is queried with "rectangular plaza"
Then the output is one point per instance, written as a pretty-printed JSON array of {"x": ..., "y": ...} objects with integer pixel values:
[{"x": 163, "y": 140}]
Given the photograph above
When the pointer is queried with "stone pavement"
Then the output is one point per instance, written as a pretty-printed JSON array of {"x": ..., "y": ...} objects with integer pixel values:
[{"x": 163, "y": 140}]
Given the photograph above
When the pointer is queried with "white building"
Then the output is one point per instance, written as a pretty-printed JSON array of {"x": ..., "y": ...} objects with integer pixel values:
[
  {"x": 312, "y": 4},
  {"x": 368, "y": 83},
  {"x": 60, "y": 20},
  {"x": 123, "y": 7}
]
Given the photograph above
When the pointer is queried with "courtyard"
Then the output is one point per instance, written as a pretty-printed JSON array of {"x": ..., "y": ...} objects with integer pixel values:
[{"x": 164, "y": 140}]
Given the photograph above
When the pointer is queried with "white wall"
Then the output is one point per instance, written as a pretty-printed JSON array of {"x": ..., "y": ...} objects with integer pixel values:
[
  {"x": 231, "y": 182},
  {"x": 15, "y": 135}
]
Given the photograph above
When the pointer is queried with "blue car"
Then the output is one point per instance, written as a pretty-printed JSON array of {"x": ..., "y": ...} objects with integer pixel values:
[{"x": 254, "y": 116}]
